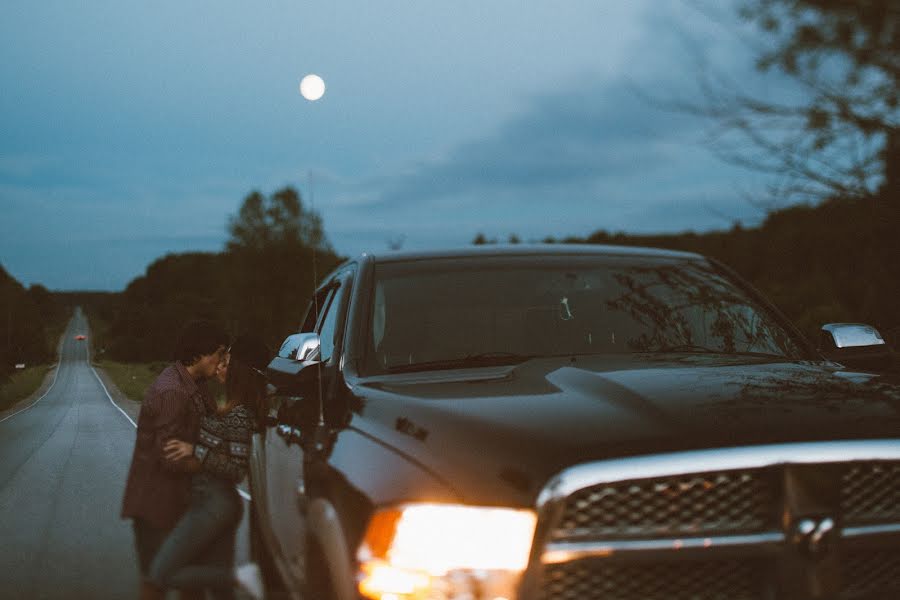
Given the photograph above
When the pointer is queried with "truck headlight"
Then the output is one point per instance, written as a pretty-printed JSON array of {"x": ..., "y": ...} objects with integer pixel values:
[{"x": 421, "y": 551}]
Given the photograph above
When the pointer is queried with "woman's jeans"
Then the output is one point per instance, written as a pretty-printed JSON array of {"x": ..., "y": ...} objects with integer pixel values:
[{"x": 199, "y": 551}]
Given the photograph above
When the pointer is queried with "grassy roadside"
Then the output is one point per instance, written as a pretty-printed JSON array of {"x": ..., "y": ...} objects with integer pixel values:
[
  {"x": 132, "y": 379},
  {"x": 21, "y": 384}
]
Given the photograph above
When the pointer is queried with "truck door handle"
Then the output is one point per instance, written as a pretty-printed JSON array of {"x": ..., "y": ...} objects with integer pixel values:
[
  {"x": 302, "y": 499},
  {"x": 291, "y": 435}
]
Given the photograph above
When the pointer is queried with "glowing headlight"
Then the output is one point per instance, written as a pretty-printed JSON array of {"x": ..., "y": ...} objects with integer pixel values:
[{"x": 420, "y": 551}]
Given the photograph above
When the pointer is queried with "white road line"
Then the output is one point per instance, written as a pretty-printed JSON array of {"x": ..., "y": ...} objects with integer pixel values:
[
  {"x": 55, "y": 375},
  {"x": 106, "y": 391},
  {"x": 242, "y": 493}
]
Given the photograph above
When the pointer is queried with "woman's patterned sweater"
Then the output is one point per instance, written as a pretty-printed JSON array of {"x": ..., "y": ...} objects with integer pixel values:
[{"x": 223, "y": 447}]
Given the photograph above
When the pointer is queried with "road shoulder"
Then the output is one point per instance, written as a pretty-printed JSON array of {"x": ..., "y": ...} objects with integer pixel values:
[
  {"x": 34, "y": 397},
  {"x": 129, "y": 406}
]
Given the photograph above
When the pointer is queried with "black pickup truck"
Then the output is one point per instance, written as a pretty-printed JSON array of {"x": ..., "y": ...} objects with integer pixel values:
[{"x": 577, "y": 423}]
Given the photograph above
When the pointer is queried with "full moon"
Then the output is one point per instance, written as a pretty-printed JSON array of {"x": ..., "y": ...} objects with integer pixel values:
[{"x": 312, "y": 87}]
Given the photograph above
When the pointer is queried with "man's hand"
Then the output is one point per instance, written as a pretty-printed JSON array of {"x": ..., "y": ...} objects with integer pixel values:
[{"x": 176, "y": 450}]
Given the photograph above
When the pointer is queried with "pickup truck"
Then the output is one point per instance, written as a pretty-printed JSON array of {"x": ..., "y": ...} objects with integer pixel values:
[{"x": 573, "y": 422}]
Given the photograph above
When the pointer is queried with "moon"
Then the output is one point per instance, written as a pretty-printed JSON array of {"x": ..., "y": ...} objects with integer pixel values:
[{"x": 312, "y": 87}]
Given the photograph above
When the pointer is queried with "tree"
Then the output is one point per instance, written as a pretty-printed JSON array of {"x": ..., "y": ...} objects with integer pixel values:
[
  {"x": 153, "y": 308},
  {"x": 276, "y": 254},
  {"x": 396, "y": 242},
  {"x": 279, "y": 220},
  {"x": 480, "y": 240},
  {"x": 842, "y": 137},
  {"x": 26, "y": 315}
]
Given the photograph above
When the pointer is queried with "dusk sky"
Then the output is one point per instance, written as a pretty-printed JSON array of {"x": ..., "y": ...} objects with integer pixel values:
[{"x": 132, "y": 129}]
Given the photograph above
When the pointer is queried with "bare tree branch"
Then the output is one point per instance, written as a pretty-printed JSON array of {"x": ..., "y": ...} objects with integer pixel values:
[{"x": 844, "y": 57}]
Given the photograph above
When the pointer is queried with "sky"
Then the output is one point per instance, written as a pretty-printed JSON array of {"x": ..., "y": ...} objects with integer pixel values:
[{"x": 133, "y": 129}]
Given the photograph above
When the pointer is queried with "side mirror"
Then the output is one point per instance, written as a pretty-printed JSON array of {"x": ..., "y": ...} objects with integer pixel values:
[
  {"x": 300, "y": 346},
  {"x": 855, "y": 345},
  {"x": 295, "y": 371}
]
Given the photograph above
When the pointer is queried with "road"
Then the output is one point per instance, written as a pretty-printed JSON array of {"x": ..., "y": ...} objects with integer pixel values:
[{"x": 63, "y": 463}]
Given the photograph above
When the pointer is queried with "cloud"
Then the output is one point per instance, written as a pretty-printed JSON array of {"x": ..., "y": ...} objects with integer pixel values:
[
  {"x": 23, "y": 166},
  {"x": 572, "y": 138},
  {"x": 594, "y": 156},
  {"x": 595, "y": 152}
]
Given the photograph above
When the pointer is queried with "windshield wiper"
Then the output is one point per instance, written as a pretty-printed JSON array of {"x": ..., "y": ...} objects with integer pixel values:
[
  {"x": 687, "y": 348},
  {"x": 484, "y": 359},
  {"x": 693, "y": 348}
]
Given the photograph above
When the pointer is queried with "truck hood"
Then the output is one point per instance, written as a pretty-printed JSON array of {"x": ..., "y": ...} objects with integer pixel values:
[{"x": 499, "y": 434}]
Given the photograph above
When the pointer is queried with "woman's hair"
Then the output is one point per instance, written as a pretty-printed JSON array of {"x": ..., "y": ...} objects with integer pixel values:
[{"x": 246, "y": 382}]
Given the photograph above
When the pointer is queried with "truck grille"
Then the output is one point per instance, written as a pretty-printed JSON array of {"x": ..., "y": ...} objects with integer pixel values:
[
  {"x": 711, "y": 503},
  {"x": 875, "y": 570},
  {"x": 870, "y": 492},
  {"x": 719, "y": 580},
  {"x": 742, "y": 533}
]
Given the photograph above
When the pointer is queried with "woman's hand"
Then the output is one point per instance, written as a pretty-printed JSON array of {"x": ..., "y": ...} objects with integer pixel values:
[{"x": 176, "y": 450}]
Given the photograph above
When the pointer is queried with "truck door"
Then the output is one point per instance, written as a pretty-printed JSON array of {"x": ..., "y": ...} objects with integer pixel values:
[{"x": 286, "y": 442}]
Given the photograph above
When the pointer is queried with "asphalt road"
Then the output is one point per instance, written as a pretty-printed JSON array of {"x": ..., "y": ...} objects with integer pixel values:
[{"x": 63, "y": 462}]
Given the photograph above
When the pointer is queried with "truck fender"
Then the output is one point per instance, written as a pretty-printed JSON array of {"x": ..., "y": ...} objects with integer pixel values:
[{"x": 325, "y": 528}]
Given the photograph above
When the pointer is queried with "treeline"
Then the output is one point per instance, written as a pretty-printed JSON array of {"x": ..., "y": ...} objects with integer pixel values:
[
  {"x": 30, "y": 322},
  {"x": 261, "y": 283},
  {"x": 835, "y": 262},
  {"x": 838, "y": 261}
]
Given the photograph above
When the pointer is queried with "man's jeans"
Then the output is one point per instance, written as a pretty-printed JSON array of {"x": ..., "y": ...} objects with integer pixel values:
[{"x": 199, "y": 551}]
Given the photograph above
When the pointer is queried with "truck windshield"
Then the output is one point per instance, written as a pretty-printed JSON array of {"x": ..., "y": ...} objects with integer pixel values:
[{"x": 448, "y": 313}]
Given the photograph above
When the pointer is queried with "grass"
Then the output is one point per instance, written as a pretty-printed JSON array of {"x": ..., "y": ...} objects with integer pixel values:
[
  {"x": 132, "y": 378},
  {"x": 21, "y": 384}
]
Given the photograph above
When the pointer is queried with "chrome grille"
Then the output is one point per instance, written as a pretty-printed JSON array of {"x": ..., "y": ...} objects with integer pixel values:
[
  {"x": 874, "y": 574},
  {"x": 699, "y": 504},
  {"x": 648, "y": 527},
  {"x": 693, "y": 580},
  {"x": 870, "y": 492}
]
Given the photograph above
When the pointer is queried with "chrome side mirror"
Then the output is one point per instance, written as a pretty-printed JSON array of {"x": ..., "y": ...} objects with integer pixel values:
[
  {"x": 851, "y": 335},
  {"x": 301, "y": 346},
  {"x": 855, "y": 345},
  {"x": 295, "y": 370}
]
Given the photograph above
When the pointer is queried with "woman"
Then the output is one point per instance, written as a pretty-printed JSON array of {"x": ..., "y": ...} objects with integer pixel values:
[{"x": 199, "y": 551}]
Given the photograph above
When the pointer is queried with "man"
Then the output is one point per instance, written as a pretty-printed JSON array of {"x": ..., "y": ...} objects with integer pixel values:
[{"x": 157, "y": 490}]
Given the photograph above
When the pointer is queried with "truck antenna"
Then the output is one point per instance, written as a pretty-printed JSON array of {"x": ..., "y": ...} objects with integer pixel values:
[{"x": 315, "y": 243}]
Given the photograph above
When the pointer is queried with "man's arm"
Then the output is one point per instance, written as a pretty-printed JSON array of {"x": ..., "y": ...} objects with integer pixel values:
[
  {"x": 169, "y": 410},
  {"x": 215, "y": 462}
]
